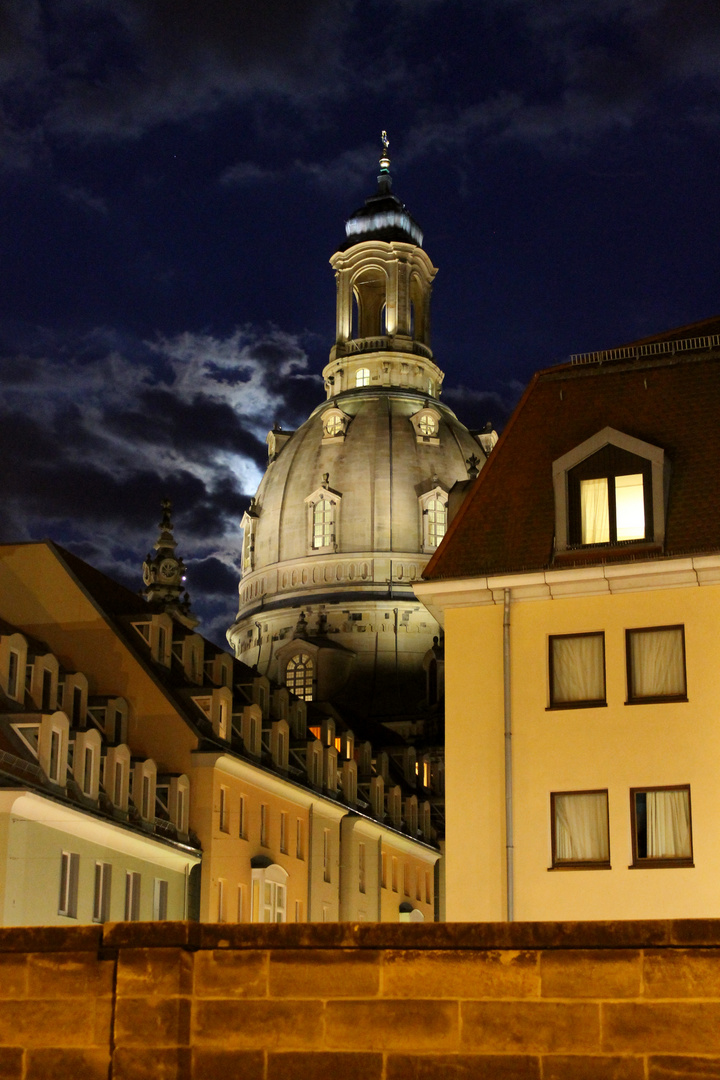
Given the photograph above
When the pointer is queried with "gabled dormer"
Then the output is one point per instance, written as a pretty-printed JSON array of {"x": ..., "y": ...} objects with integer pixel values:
[{"x": 610, "y": 491}]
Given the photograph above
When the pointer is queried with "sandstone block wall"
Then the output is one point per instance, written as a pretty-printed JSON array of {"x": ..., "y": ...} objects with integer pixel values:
[{"x": 523, "y": 1001}]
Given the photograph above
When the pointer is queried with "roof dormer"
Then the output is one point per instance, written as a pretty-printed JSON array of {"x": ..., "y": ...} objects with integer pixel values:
[{"x": 610, "y": 491}]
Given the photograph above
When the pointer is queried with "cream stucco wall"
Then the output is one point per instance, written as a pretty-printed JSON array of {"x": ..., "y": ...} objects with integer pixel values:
[
  {"x": 616, "y": 747},
  {"x": 35, "y": 831}
]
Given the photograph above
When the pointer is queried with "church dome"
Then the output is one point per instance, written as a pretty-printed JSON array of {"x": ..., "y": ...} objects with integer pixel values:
[
  {"x": 353, "y": 504},
  {"x": 364, "y": 452}
]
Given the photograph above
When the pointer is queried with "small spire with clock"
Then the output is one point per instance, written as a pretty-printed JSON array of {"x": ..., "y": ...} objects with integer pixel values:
[{"x": 164, "y": 573}]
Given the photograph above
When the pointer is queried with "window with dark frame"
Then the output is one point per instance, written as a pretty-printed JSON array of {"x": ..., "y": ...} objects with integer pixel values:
[
  {"x": 580, "y": 830},
  {"x": 132, "y": 896},
  {"x": 655, "y": 657},
  {"x": 610, "y": 498},
  {"x": 576, "y": 667},
  {"x": 69, "y": 875},
  {"x": 661, "y": 826},
  {"x": 101, "y": 898}
]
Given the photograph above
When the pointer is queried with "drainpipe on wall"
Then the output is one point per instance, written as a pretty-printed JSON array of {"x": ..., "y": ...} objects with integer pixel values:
[
  {"x": 309, "y": 864},
  {"x": 508, "y": 757}
]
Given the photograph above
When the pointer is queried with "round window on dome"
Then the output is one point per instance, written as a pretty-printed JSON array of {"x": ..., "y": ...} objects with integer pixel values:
[
  {"x": 427, "y": 424},
  {"x": 334, "y": 425}
]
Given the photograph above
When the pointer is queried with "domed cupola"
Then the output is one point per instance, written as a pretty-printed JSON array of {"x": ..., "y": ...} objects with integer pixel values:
[
  {"x": 383, "y": 217},
  {"x": 384, "y": 283}
]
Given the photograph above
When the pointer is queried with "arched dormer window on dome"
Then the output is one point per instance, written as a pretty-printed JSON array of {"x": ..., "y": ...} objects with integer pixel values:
[
  {"x": 323, "y": 519},
  {"x": 248, "y": 523},
  {"x": 434, "y": 517}
]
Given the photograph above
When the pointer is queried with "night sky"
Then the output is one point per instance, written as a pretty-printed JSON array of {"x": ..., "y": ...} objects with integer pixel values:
[{"x": 175, "y": 174}]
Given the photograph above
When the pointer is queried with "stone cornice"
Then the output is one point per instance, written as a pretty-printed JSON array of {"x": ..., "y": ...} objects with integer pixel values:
[{"x": 574, "y": 582}]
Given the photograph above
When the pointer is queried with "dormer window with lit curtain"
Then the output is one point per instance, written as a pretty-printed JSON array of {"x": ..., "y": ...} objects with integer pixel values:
[
  {"x": 610, "y": 490},
  {"x": 613, "y": 507}
]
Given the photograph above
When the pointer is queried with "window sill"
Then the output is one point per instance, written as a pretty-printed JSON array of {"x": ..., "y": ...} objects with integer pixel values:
[
  {"x": 669, "y": 699},
  {"x": 580, "y": 866},
  {"x": 662, "y": 864},
  {"x": 576, "y": 705}
]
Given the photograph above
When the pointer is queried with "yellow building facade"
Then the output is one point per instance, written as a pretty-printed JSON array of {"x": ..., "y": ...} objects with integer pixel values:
[{"x": 583, "y": 646}]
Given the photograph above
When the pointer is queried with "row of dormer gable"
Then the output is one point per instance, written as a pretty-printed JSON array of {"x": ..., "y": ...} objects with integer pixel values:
[
  {"x": 79, "y": 741},
  {"x": 233, "y": 705}
]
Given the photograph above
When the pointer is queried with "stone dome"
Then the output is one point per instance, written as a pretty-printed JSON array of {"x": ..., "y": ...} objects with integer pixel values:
[
  {"x": 354, "y": 502},
  {"x": 376, "y": 471}
]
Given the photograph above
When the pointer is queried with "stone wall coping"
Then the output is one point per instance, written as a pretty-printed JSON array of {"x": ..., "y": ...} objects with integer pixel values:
[{"x": 620, "y": 934}]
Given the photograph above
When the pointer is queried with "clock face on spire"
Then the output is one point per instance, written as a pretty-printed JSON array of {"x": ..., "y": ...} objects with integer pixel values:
[{"x": 168, "y": 569}]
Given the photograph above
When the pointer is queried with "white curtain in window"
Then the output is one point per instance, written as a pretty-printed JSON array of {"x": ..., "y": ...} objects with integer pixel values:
[
  {"x": 581, "y": 827},
  {"x": 578, "y": 669},
  {"x": 629, "y": 507},
  {"x": 656, "y": 663},
  {"x": 595, "y": 511},
  {"x": 668, "y": 825}
]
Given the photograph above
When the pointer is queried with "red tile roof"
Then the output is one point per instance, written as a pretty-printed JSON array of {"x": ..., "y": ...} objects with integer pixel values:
[{"x": 507, "y": 522}]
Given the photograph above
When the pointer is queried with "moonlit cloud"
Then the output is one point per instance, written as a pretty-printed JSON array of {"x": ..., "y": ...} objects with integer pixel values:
[{"x": 93, "y": 438}]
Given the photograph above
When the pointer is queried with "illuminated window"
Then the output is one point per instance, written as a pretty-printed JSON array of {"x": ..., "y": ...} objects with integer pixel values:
[
  {"x": 322, "y": 524},
  {"x": 606, "y": 500},
  {"x": 610, "y": 498},
  {"x": 362, "y": 377},
  {"x": 334, "y": 425},
  {"x": 299, "y": 676},
  {"x": 437, "y": 521},
  {"x": 428, "y": 424}
]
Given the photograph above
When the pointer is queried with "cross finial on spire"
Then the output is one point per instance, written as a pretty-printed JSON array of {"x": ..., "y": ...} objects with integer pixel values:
[{"x": 385, "y": 159}]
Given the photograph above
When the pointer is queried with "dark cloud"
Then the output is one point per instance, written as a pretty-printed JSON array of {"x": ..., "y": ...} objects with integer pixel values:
[
  {"x": 212, "y": 577},
  {"x": 91, "y": 441}
]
